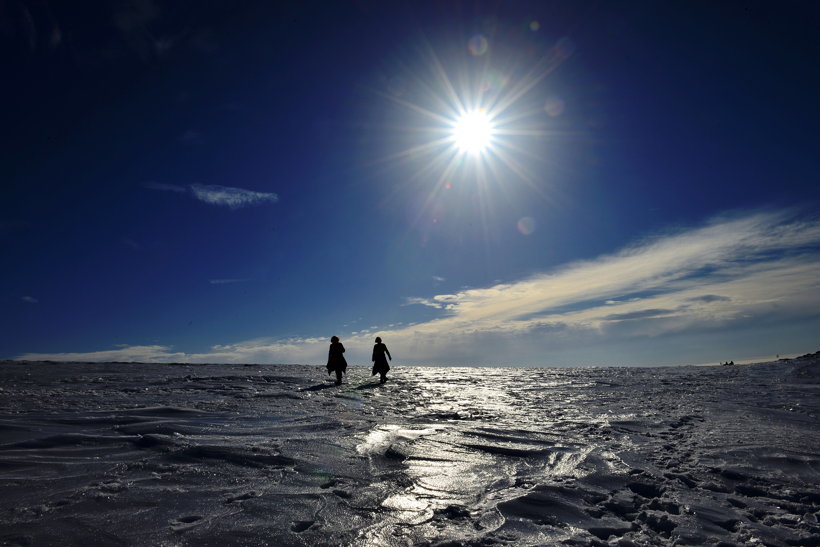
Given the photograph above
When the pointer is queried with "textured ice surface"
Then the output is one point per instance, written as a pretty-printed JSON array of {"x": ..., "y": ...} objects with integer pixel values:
[{"x": 276, "y": 455}]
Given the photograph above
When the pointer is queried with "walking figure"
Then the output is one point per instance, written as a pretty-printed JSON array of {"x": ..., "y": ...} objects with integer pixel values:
[
  {"x": 336, "y": 359},
  {"x": 380, "y": 365}
]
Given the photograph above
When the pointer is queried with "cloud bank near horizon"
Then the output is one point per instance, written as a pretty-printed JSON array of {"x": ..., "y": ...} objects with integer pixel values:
[{"x": 737, "y": 272}]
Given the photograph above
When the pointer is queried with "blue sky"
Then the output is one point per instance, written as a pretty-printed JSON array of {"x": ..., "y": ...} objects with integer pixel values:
[{"x": 237, "y": 184}]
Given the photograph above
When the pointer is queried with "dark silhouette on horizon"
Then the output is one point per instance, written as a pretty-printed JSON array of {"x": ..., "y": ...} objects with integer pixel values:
[
  {"x": 380, "y": 365},
  {"x": 336, "y": 359}
]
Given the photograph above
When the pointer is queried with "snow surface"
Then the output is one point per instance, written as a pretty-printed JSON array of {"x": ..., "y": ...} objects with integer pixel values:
[{"x": 137, "y": 454}]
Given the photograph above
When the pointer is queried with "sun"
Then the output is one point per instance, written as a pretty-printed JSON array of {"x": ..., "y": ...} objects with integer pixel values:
[
  {"x": 470, "y": 120},
  {"x": 473, "y": 132}
]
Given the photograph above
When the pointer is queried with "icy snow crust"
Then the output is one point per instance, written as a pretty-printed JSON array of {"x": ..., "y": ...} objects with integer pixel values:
[{"x": 106, "y": 454}]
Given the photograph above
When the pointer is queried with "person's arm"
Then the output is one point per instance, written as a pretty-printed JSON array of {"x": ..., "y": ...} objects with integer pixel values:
[
  {"x": 342, "y": 346},
  {"x": 387, "y": 351}
]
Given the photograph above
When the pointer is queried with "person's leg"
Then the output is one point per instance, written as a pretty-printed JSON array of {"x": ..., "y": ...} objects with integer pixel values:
[
  {"x": 384, "y": 377},
  {"x": 338, "y": 377}
]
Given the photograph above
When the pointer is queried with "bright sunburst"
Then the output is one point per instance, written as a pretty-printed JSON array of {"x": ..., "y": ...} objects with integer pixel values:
[
  {"x": 473, "y": 122},
  {"x": 473, "y": 132}
]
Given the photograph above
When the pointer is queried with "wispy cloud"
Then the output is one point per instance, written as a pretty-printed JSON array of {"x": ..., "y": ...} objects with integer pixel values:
[
  {"x": 642, "y": 314},
  {"x": 231, "y": 197},
  {"x": 752, "y": 273},
  {"x": 744, "y": 267},
  {"x": 140, "y": 354},
  {"x": 234, "y": 198},
  {"x": 429, "y": 302},
  {"x": 253, "y": 351},
  {"x": 708, "y": 298},
  {"x": 29, "y": 299}
]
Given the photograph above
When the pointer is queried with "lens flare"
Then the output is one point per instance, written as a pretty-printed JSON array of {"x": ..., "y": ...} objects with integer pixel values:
[
  {"x": 526, "y": 225},
  {"x": 477, "y": 45},
  {"x": 554, "y": 106},
  {"x": 473, "y": 132}
]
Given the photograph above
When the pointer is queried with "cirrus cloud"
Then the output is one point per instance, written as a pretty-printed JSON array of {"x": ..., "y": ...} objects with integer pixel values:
[
  {"x": 231, "y": 197},
  {"x": 743, "y": 281},
  {"x": 214, "y": 194}
]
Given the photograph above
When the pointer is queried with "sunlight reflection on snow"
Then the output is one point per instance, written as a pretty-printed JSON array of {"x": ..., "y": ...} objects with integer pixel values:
[
  {"x": 438, "y": 456},
  {"x": 380, "y": 439}
]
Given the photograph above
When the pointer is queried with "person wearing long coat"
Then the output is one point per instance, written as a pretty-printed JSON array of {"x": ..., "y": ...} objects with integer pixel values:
[
  {"x": 380, "y": 365},
  {"x": 336, "y": 359}
]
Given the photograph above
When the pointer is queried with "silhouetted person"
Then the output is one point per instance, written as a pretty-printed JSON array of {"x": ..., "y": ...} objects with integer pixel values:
[
  {"x": 380, "y": 365},
  {"x": 336, "y": 359}
]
